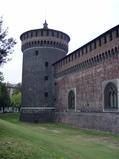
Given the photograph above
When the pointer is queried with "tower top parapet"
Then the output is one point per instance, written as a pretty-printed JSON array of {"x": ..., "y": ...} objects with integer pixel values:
[{"x": 45, "y": 25}]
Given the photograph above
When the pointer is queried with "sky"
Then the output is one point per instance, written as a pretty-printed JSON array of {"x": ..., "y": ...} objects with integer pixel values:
[{"x": 82, "y": 20}]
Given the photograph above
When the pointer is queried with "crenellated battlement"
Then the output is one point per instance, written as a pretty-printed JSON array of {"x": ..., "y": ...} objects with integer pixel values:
[
  {"x": 45, "y": 37},
  {"x": 101, "y": 48}
]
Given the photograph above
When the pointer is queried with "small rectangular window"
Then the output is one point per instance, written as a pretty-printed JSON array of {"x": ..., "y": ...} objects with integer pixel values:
[
  {"x": 86, "y": 49},
  {"x": 82, "y": 51},
  {"x": 99, "y": 41},
  {"x": 78, "y": 53},
  {"x": 46, "y": 94},
  {"x": 72, "y": 57},
  {"x": 31, "y": 34},
  {"x": 36, "y": 53},
  {"x": 36, "y": 33},
  {"x": 105, "y": 39},
  {"x": 46, "y": 64},
  {"x": 94, "y": 44},
  {"x": 57, "y": 35},
  {"x": 75, "y": 55},
  {"x": 46, "y": 78},
  {"x": 47, "y": 32},
  {"x": 90, "y": 47},
  {"x": 66, "y": 59},
  {"x": 117, "y": 33},
  {"x": 61, "y": 36},
  {"x": 110, "y": 36},
  {"x": 41, "y": 32},
  {"x": 52, "y": 33}
]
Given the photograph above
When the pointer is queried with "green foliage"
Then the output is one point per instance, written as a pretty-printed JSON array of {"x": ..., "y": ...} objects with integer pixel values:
[
  {"x": 16, "y": 100},
  {"x": 6, "y": 44},
  {"x": 18, "y": 88},
  {"x": 53, "y": 141},
  {"x": 4, "y": 96},
  {"x": 16, "y": 96},
  {"x": 1, "y": 77}
]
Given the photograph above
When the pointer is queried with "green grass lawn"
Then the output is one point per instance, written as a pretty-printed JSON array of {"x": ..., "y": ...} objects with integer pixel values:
[{"x": 20, "y": 140}]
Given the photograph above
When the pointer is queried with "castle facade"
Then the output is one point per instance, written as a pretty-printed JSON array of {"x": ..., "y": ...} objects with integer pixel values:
[{"x": 84, "y": 85}]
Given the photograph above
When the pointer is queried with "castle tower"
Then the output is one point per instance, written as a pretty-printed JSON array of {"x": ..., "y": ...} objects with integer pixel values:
[{"x": 41, "y": 48}]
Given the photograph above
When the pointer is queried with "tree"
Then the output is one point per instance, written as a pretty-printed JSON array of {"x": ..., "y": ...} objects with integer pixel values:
[
  {"x": 16, "y": 96},
  {"x": 16, "y": 100},
  {"x": 6, "y": 44},
  {"x": 18, "y": 88},
  {"x": 4, "y": 96},
  {"x": 1, "y": 77}
]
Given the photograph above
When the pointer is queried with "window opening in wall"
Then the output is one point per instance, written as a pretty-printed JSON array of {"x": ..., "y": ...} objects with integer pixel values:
[
  {"x": 105, "y": 39},
  {"x": 110, "y": 36},
  {"x": 36, "y": 33},
  {"x": 57, "y": 34},
  {"x": 64, "y": 62},
  {"x": 46, "y": 78},
  {"x": 64, "y": 37},
  {"x": 31, "y": 34},
  {"x": 86, "y": 48},
  {"x": 94, "y": 44},
  {"x": 117, "y": 33},
  {"x": 72, "y": 57},
  {"x": 110, "y": 96},
  {"x": 78, "y": 53},
  {"x": 46, "y": 94},
  {"x": 61, "y": 63},
  {"x": 47, "y": 33},
  {"x": 52, "y": 33},
  {"x": 41, "y": 32},
  {"x": 71, "y": 100},
  {"x": 90, "y": 47},
  {"x": 36, "y": 52},
  {"x": 61, "y": 36},
  {"x": 66, "y": 59},
  {"x": 46, "y": 64},
  {"x": 99, "y": 41},
  {"x": 82, "y": 51},
  {"x": 75, "y": 55}
]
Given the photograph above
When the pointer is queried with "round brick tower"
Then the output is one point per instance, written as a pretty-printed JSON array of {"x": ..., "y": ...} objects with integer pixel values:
[{"x": 41, "y": 48}]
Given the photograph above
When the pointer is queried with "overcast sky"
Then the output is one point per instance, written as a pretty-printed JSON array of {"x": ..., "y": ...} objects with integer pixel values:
[{"x": 82, "y": 20}]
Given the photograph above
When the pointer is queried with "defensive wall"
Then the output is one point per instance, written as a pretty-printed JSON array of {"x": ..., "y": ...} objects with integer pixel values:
[{"x": 87, "y": 85}]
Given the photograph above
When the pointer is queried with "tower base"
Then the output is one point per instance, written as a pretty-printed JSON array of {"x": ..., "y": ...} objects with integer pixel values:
[{"x": 40, "y": 115}]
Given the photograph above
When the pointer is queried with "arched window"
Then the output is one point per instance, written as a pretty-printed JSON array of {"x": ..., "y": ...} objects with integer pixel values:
[
  {"x": 71, "y": 100},
  {"x": 110, "y": 96}
]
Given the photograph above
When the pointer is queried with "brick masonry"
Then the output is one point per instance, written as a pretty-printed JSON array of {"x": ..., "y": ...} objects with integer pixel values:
[{"x": 86, "y": 74}]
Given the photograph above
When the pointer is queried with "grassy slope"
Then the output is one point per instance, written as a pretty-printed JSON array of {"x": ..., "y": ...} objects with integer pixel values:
[{"x": 52, "y": 141}]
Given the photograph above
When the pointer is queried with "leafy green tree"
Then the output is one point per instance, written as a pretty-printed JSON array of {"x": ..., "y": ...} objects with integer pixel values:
[
  {"x": 16, "y": 96},
  {"x": 16, "y": 100},
  {"x": 6, "y": 44},
  {"x": 18, "y": 88},
  {"x": 1, "y": 77},
  {"x": 4, "y": 96}
]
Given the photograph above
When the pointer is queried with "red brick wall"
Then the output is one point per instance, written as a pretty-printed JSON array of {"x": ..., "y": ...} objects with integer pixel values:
[
  {"x": 88, "y": 84},
  {"x": 87, "y": 81}
]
